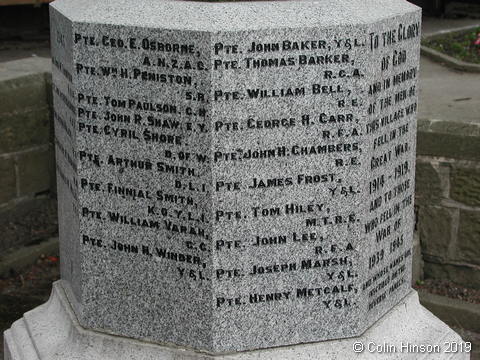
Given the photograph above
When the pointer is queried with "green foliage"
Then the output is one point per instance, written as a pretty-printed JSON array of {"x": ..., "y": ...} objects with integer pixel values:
[{"x": 459, "y": 45}]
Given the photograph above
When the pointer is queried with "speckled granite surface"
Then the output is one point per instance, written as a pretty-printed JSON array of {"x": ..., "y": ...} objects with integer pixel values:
[{"x": 235, "y": 176}]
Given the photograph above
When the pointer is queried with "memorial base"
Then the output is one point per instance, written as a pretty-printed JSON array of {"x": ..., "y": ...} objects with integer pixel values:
[{"x": 51, "y": 331}]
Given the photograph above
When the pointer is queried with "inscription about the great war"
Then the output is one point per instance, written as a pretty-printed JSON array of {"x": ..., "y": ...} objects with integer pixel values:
[{"x": 250, "y": 174}]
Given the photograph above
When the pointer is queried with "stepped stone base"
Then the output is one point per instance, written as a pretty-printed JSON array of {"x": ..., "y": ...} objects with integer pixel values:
[{"x": 52, "y": 332}]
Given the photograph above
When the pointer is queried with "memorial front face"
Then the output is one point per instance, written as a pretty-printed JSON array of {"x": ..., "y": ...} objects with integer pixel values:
[{"x": 235, "y": 176}]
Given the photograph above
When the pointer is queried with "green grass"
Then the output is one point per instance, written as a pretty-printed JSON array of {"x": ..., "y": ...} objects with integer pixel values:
[{"x": 458, "y": 45}]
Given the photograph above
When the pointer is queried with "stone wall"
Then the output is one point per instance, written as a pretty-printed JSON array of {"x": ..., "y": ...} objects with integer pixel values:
[
  {"x": 448, "y": 200},
  {"x": 27, "y": 166}
]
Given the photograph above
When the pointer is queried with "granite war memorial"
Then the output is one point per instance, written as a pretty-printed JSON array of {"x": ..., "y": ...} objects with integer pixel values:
[{"x": 235, "y": 181}]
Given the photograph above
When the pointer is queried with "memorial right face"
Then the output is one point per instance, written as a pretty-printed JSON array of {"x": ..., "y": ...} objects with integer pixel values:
[{"x": 244, "y": 185}]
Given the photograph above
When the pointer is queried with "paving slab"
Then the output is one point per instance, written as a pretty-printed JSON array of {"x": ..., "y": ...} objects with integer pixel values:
[{"x": 447, "y": 94}]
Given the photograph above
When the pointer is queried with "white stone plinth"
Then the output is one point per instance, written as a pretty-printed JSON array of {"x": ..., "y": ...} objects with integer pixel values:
[{"x": 52, "y": 332}]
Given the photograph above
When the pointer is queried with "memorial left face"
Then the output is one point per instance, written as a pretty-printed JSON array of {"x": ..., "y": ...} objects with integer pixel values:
[
  {"x": 235, "y": 189},
  {"x": 139, "y": 144}
]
